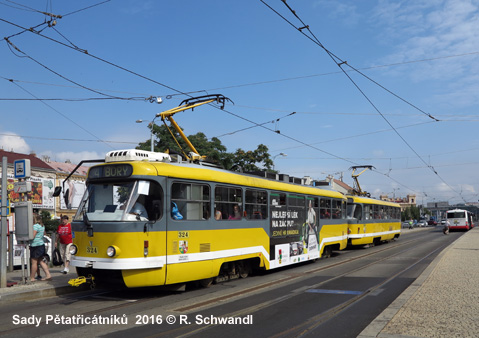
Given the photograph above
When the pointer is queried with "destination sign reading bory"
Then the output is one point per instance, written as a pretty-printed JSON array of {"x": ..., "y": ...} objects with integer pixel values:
[{"x": 110, "y": 171}]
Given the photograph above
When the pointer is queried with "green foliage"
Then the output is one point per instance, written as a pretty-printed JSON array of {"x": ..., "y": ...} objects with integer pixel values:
[
  {"x": 251, "y": 160},
  {"x": 412, "y": 212},
  {"x": 123, "y": 193},
  {"x": 214, "y": 150},
  {"x": 50, "y": 224}
]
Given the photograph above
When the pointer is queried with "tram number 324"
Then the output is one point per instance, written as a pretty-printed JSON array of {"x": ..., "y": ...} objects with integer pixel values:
[
  {"x": 183, "y": 234},
  {"x": 91, "y": 249}
]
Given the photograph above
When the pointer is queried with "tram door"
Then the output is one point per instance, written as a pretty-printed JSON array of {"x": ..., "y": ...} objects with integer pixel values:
[
  {"x": 188, "y": 238},
  {"x": 157, "y": 232}
]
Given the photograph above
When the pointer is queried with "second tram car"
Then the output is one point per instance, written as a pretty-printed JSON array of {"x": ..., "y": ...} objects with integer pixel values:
[
  {"x": 372, "y": 221},
  {"x": 459, "y": 219},
  {"x": 146, "y": 220}
]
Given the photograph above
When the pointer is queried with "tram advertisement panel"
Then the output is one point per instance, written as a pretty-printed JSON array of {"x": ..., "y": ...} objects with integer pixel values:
[{"x": 293, "y": 227}]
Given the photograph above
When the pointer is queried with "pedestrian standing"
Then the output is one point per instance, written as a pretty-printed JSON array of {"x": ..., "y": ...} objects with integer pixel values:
[
  {"x": 64, "y": 232},
  {"x": 37, "y": 250},
  {"x": 446, "y": 228}
]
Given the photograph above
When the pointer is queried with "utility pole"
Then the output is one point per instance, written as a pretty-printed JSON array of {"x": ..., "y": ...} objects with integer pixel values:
[{"x": 3, "y": 242}]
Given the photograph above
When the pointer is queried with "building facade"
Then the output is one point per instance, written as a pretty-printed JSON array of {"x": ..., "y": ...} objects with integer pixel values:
[{"x": 408, "y": 201}]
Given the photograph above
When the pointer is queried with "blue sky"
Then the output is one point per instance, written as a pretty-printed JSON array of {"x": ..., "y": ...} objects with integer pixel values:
[{"x": 425, "y": 53}]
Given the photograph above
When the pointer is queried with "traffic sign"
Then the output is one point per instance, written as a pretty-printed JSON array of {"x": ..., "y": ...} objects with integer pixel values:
[
  {"x": 22, "y": 168},
  {"x": 22, "y": 187}
]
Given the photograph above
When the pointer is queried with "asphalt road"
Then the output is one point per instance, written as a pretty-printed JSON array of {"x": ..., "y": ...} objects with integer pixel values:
[{"x": 335, "y": 297}]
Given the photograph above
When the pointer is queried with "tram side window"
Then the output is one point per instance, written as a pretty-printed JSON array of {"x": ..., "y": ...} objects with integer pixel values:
[
  {"x": 296, "y": 213},
  {"x": 228, "y": 203},
  {"x": 336, "y": 209},
  {"x": 358, "y": 212},
  {"x": 325, "y": 208},
  {"x": 153, "y": 201},
  {"x": 256, "y": 204},
  {"x": 192, "y": 201},
  {"x": 278, "y": 199},
  {"x": 382, "y": 214},
  {"x": 374, "y": 208},
  {"x": 390, "y": 212},
  {"x": 367, "y": 211}
]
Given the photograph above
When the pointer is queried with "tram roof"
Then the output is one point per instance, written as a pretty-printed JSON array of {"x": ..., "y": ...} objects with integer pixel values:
[
  {"x": 219, "y": 175},
  {"x": 369, "y": 200}
]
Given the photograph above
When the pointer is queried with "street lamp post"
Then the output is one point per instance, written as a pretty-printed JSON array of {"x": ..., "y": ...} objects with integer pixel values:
[
  {"x": 151, "y": 132},
  {"x": 280, "y": 154},
  {"x": 394, "y": 193}
]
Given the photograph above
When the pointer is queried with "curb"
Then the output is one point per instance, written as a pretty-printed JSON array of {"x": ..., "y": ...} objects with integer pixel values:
[{"x": 46, "y": 292}]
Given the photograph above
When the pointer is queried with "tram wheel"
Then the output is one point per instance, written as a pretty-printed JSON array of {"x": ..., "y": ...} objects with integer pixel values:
[
  {"x": 243, "y": 269},
  {"x": 327, "y": 252}
]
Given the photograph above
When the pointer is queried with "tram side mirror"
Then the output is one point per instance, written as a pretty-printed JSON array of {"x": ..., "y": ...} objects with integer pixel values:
[
  {"x": 57, "y": 191},
  {"x": 156, "y": 209}
]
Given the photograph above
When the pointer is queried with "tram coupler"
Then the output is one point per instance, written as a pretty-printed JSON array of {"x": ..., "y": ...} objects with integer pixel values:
[{"x": 81, "y": 280}]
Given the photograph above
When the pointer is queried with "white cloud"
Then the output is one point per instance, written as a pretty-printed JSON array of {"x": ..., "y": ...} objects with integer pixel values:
[
  {"x": 430, "y": 29},
  {"x": 73, "y": 157},
  {"x": 467, "y": 188},
  {"x": 12, "y": 142}
]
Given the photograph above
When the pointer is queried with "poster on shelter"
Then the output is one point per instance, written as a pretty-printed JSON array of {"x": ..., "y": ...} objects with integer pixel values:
[
  {"x": 74, "y": 190},
  {"x": 41, "y": 194}
]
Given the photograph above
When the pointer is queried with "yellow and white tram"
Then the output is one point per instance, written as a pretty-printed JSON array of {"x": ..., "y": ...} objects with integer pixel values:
[
  {"x": 371, "y": 221},
  {"x": 148, "y": 220}
]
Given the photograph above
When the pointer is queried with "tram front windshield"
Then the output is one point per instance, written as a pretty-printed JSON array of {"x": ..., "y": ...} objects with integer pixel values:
[{"x": 114, "y": 201}]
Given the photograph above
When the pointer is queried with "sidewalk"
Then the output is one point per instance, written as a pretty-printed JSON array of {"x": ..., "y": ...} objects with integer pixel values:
[
  {"x": 39, "y": 289},
  {"x": 442, "y": 302}
]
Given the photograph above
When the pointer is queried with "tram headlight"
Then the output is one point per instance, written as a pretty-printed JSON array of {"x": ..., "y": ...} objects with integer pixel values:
[
  {"x": 112, "y": 251},
  {"x": 73, "y": 249}
]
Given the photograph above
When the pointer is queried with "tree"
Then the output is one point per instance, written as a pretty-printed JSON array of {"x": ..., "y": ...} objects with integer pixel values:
[
  {"x": 51, "y": 225},
  {"x": 252, "y": 160},
  {"x": 164, "y": 139},
  {"x": 412, "y": 212}
]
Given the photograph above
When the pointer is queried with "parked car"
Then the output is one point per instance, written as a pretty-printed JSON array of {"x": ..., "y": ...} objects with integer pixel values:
[
  {"x": 432, "y": 222},
  {"x": 17, "y": 250},
  {"x": 443, "y": 222},
  {"x": 422, "y": 223}
]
